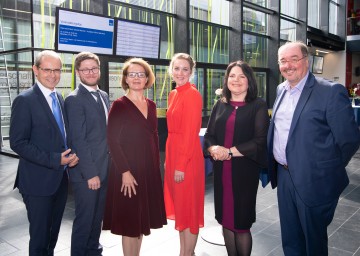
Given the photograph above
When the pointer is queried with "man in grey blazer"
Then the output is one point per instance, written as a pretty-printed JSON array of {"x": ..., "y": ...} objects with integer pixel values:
[
  {"x": 87, "y": 109},
  {"x": 38, "y": 133}
]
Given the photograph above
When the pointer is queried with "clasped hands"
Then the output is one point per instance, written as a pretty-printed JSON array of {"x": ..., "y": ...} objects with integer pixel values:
[
  {"x": 68, "y": 158},
  {"x": 219, "y": 153}
]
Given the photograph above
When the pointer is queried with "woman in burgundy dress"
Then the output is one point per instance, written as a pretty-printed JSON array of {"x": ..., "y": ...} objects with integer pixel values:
[
  {"x": 236, "y": 140},
  {"x": 135, "y": 201}
]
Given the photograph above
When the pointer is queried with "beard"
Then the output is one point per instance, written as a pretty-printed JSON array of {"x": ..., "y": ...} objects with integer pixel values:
[{"x": 90, "y": 82}]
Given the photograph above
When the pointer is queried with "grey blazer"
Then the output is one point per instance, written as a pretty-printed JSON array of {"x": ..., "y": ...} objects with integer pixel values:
[{"x": 87, "y": 135}]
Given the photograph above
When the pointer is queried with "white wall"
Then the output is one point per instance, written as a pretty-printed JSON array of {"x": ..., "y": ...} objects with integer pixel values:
[{"x": 334, "y": 67}]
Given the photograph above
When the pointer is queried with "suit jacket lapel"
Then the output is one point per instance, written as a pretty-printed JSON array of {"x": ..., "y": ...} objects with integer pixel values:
[
  {"x": 278, "y": 100},
  {"x": 88, "y": 97},
  {"x": 105, "y": 99},
  {"x": 309, "y": 85},
  {"x": 92, "y": 101},
  {"x": 47, "y": 108}
]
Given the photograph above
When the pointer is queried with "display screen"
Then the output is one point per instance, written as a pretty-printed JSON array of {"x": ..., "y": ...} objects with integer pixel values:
[
  {"x": 136, "y": 39},
  {"x": 318, "y": 63},
  {"x": 77, "y": 31}
]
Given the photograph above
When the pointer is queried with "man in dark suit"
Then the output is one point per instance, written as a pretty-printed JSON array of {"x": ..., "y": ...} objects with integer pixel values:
[
  {"x": 38, "y": 135},
  {"x": 311, "y": 139},
  {"x": 87, "y": 110}
]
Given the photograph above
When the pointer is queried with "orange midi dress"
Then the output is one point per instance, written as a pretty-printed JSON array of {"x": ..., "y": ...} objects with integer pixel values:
[{"x": 184, "y": 201}]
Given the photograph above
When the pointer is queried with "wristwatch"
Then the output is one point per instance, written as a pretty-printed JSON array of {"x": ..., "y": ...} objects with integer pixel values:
[{"x": 230, "y": 153}]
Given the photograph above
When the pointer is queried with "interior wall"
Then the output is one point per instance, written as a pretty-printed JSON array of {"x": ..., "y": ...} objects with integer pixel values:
[{"x": 334, "y": 67}]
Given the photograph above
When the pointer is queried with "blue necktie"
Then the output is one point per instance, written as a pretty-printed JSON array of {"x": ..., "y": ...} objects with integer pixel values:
[{"x": 57, "y": 114}]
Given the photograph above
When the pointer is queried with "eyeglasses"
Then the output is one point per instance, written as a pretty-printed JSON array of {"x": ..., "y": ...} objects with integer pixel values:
[
  {"x": 136, "y": 74},
  {"x": 49, "y": 70},
  {"x": 88, "y": 71},
  {"x": 292, "y": 61}
]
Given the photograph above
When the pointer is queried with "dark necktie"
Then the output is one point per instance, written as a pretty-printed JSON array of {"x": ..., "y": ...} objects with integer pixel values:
[
  {"x": 57, "y": 114},
  {"x": 99, "y": 102}
]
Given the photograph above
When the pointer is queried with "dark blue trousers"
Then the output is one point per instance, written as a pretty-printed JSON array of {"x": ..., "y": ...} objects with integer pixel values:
[
  {"x": 89, "y": 212},
  {"x": 303, "y": 228},
  {"x": 45, "y": 214}
]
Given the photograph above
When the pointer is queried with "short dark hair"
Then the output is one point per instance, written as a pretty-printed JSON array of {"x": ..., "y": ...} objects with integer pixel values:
[
  {"x": 252, "y": 92},
  {"x": 85, "y": 56}
]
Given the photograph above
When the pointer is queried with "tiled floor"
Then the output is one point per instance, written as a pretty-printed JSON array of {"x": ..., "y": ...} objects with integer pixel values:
[{"x": 344, "y": 232}]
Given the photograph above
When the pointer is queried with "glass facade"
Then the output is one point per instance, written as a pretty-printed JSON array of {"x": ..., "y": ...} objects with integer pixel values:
[
  {"x": 255, "y": 50},
  {"x": 209, "y": 43},
  {"x": 333, "y": 17},
  {"x": 314, "y": 13},
  {"x": 255, "y": 21},
  {"x": 290, "y": 8},
  {"x": 287, "y": 30},
  {"x": 263, "y": 3},
  {"x": 28, "y": 26},
  {"x": 214, "y": 11},
  {"x": 160, "y": 5}
]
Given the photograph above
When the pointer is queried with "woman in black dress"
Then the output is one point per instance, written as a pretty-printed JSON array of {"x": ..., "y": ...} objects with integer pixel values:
[{"x": 236, "y": 140}]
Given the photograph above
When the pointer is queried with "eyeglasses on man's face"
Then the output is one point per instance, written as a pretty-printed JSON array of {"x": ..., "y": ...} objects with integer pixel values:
[
  {"x": 293, "y": 61},
  {"x": 136, "y": 74},
  {"x": 87, "y": 71},
  {"x": 49, "y": 70}
]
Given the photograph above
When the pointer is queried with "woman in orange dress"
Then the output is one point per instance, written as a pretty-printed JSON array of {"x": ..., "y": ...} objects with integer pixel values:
[{"x": 184, "y": 165}]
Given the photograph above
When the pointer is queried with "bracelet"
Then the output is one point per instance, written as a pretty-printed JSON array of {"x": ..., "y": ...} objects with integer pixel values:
[{"x": 230, "y": 153}]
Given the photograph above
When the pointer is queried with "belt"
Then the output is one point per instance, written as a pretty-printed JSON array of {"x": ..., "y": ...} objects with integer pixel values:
[{"x": 285, "y": 166}]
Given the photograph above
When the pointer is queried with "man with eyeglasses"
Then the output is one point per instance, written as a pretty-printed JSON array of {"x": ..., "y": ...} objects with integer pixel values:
[
  {"x": 38, "y": 134},
  {"x": 311, "y": 139},
  {"x": 87, "y": 109}
]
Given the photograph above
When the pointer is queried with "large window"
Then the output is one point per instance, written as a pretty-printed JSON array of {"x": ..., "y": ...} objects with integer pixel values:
[
  {"x": 215, "y": 80},
  {"x": 290, "y": 8},
  {"x": 159, "y": 5},
  {"x": 263, "y": 3},
  {"x": 333, "y": 16},
  {"x": 209, "y": 43},
  {"x": 313, "y": 13},
  {"x": 261, "y": 82},
  {"x": 287, "y": 30},
  {"x": 255, "y": 50},
  {"x": 214, "y": 11},
  {"x": 15, "y": 25},
  {"x": 255, "y": 21}
]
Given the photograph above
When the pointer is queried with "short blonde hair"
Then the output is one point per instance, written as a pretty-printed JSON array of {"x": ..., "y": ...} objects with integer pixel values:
[{"x": 148, "y": 71}]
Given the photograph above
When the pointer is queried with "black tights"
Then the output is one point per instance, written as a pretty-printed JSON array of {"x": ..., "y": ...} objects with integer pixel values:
[{"x": 237, "y": 244}]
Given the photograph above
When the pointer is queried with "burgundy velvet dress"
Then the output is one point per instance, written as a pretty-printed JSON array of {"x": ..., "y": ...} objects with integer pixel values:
[{"x": 134, "y": 145}]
